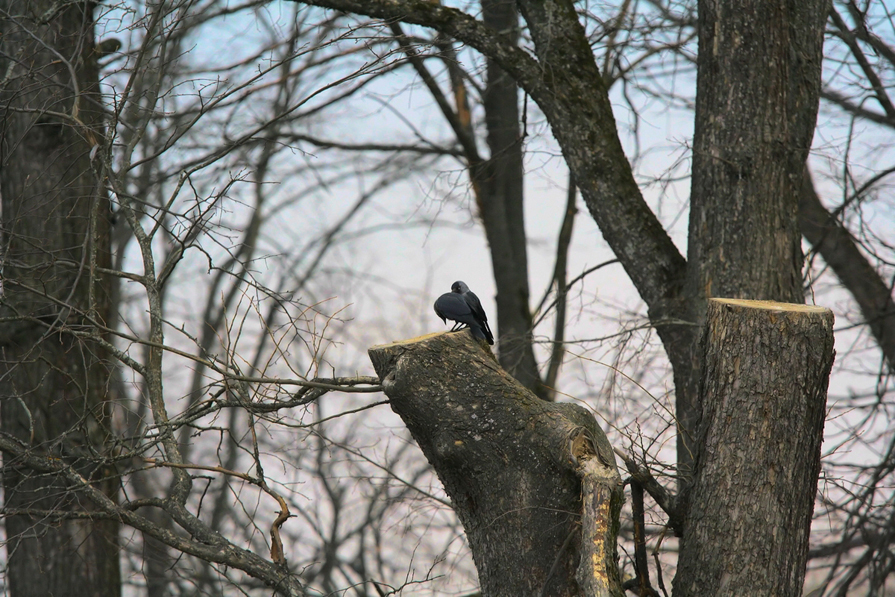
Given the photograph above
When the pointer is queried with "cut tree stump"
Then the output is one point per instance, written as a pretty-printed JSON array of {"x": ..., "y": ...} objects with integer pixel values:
[
  {"x": 525, "y": 476},
  {"x": 763, "y": 400}
]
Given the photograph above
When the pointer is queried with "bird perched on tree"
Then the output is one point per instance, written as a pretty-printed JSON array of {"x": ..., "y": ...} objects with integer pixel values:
[{"x": 464, "y": 307}]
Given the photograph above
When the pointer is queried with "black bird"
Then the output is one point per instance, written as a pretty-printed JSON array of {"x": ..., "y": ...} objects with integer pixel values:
[{"x": 464, "y": 307}]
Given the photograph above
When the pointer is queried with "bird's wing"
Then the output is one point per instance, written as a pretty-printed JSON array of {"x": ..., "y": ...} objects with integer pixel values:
[
  {"x": 476, "y": 305},
  {"x": 479, "y": 313},
  {"x": 441, "y": 316},
  {"x": 488, "y": 335},
  {"x": 451, "y": 305},
  {"x": 439, "y": 312}
]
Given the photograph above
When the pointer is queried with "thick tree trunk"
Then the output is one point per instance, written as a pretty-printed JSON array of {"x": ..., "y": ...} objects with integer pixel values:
[
  {"x": 501, "y": 182},
  {"x": 53, "y": 385},
  {"x": 764, "y": 389},
  {"x": 525, "y": 476},
  {"x": 758, "y": 86}
]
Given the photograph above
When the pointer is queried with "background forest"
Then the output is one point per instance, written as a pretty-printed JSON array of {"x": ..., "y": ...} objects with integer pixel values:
[{"x": 226, "y": 203}]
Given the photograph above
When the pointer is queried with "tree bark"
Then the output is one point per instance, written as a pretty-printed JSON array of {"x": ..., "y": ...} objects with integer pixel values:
[
  {"x": 764, "y": 388},
  {"x": 758, "y": 86},
  {"x": 54, "y": 377},
  {"x": 525, "y": 476}
]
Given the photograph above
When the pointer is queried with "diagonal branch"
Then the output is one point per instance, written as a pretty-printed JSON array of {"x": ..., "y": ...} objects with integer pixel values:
[
  {"x": 454, "y": 23},
  {"x": 851, "y": 40},
  {"x": 840, "y": 250},
  {"x": 467, "y": 141},
  {"x": 568, "y": 87},
  {"x": 559, "y": 280}
]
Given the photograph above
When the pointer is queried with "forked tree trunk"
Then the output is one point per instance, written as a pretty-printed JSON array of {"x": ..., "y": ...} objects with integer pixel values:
[
  {"x": 763, "y": 396},
  {"x": 54, "y": 383},
  {"x": 534, "y": 483}
]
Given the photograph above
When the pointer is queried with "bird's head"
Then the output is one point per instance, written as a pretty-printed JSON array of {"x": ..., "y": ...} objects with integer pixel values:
[{"x": 460, "y": 287}]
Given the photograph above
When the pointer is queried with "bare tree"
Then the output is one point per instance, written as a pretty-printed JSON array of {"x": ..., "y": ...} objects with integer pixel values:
[
  {"x": 734, "y": 160},
  {"x": 637, "y": 43},
  {"x": 840, "y": 216},
  {"x": 229, "y": 447}
]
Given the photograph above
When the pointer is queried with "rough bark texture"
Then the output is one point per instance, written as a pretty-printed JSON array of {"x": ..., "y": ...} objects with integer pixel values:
[
  {"x": 501, "y": 181},
  {"x": 841, "y": 252},
  {"x": 53, "y": 385},
  {"x": 513, "y": 466},
  {"x": 758, "y": 86},
  {"x": 763, "y": 396}
]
